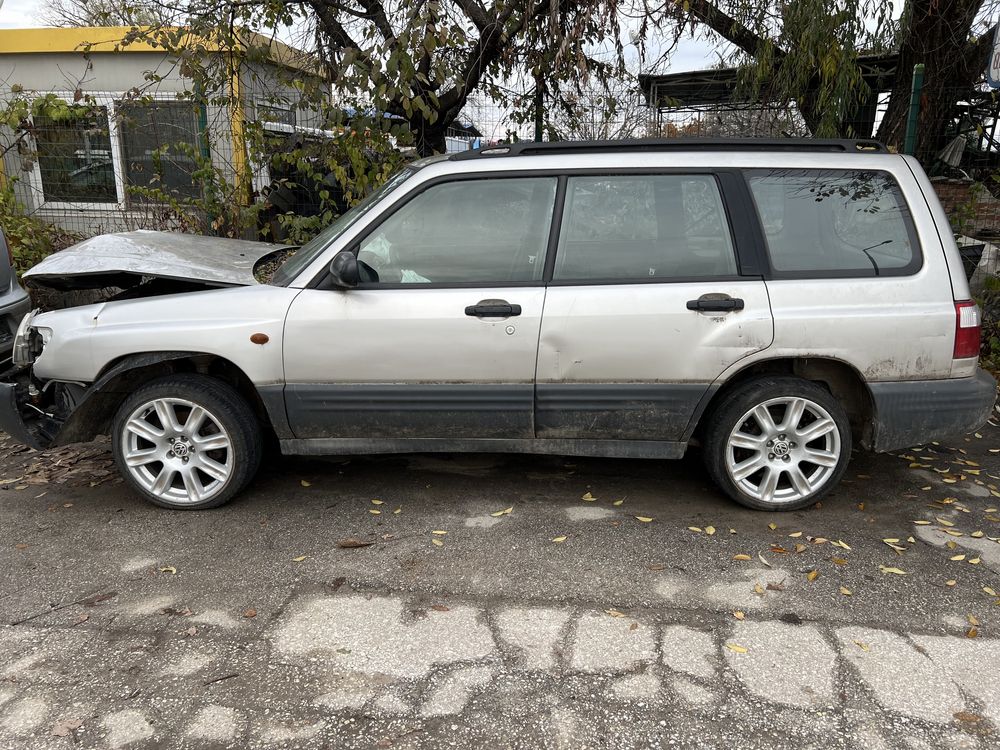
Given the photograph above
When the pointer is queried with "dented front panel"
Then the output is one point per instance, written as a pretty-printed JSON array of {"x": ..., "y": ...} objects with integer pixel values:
[{"x": 81, "y": 342}]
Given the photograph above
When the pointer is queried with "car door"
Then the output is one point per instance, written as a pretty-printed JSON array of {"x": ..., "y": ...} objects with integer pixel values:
[
  {"x": 441, "y": 341},
  {"x": 647, "y": 306}
]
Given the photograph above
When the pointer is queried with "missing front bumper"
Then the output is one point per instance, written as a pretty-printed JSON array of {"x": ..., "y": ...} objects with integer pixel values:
[{"x": 20, "y": 426}]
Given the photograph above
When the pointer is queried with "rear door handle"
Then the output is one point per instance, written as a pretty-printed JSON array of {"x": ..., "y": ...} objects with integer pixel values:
[
  {"x": 706, "y": 303},
  {"x": 493, "y": 308}
]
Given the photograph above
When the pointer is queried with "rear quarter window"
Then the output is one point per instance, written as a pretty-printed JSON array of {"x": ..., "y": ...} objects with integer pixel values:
[{"x": 834, "y": 223}]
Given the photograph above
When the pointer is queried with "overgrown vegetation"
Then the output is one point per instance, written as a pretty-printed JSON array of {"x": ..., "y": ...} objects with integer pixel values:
[
  {"x": 989, "y": 302},
  {"x": 29, "y": 239}
]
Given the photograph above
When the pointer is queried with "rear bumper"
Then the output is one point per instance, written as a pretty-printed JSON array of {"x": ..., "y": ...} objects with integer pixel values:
[{"x": 919, "y": 411}]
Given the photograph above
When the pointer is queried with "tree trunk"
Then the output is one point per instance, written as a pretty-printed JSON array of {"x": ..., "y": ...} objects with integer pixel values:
[
  {"x": 429, "y": 139},
  {"x": 936, "y": 34}
]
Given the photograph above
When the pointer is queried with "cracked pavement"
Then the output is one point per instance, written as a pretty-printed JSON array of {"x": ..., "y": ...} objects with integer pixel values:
[{"x": 251, "y": 626}]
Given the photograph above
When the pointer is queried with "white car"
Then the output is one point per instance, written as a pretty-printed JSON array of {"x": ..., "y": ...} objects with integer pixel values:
[{"x": 775, "y": 302}]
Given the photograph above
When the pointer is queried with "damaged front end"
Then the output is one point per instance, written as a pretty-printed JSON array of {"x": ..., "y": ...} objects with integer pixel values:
[{"x": 34, "y": 413}]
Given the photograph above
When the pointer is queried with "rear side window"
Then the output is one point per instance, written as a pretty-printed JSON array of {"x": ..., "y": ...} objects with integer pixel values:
[
  {"x": 643, "y": 227},
  {"x": 835, "y": 222}
]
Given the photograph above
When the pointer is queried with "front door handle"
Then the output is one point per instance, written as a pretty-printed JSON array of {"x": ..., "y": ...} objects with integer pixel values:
[
  {"x": 493, "y": 308},
  {"x": 712, "y": 303}
]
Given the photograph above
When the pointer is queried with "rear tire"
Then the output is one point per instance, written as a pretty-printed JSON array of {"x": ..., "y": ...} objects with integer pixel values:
[
  {"x": 777, "y": 443},
  {"x": 186, "y": 442}
]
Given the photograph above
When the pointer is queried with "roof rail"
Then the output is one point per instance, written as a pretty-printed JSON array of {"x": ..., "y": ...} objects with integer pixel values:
[{"x": 532, "y": 148}]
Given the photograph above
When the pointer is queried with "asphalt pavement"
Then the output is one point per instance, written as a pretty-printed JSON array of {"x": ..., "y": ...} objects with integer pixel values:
[{"x": 501, "y": 602}]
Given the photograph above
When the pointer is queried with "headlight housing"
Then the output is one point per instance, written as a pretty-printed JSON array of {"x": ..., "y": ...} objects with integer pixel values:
[{"x": 27, "y": 342}]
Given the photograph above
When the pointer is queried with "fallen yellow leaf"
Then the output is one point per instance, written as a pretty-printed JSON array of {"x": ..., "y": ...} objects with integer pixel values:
[
  {"x": 169, "y": 569},
  {"x": 951, "y": 582},
  {"x": 300, "y": 558},
  {"x": 304, "y": 483},
  {"x": 812, "y": 575},
  {"x": 504, "y": 512},
  {"x": 772, "y": 526},
  {"x": 643, "y": 519},
  {"x": 972, "y": 620},
  {"x": 437, "y": 542},
  {"x": 739, "y": 614},
  {"x": 618, "y": 502},
  {"x": 588, "y": 498},
  {"x": 439, "y": 532},
  {"x": 862, "y": 646},
  {"x": 989, "y": 590},
  {"x": 741, "y": 557},
  {"x": 710, "y": 530},
  {"x": 559, "y": 539},
  {"x": 737, "y": 648},
  {"x": 398, "y": 510},
  {"x": 795, "y": 534},
  {"x": 845, "y": 591},
  {"x": 376, "y": 502},
  {"x": 375, "y": 511},
  {"x": 957, "y": 558},
  {"x": 614, "y": 613},
  {"x": 974, "y": 561},
  {"x": 971, "y": 633},
  {"x": 695, "y": 529},
  {"x": 922, "y": 523},
  {"x": 893, "y": 571}
]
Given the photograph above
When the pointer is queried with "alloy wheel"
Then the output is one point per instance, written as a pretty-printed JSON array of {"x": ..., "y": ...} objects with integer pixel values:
[
  {"x": 177, "y": 450},
  {"x": 783, "y": 450}
]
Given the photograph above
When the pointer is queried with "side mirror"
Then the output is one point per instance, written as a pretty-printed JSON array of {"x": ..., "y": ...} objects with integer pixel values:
[{"x": 344, "y": 270}]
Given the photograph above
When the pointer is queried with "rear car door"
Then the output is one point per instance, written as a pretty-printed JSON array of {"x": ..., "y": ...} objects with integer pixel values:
[
  {"x": 441, "y": 342},
  {"x": 649, "y": 303}
]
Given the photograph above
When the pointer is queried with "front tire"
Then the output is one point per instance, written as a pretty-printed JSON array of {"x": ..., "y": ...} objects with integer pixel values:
[
  {"x": 186, "y": 442},
  {"x": 777, "y": 443}
]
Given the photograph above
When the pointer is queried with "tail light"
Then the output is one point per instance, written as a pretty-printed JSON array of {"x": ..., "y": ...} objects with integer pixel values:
[{"x": 967, "y": 329}]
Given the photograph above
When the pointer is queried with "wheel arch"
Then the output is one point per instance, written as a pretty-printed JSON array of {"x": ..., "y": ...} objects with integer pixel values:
[
  {"x": 843, "y": 381},
  {"x": 94, "y": 411}
]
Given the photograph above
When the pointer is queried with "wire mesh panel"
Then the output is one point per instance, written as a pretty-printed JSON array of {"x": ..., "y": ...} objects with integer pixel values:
[
  {"x": 74, "y": 158},
  {"x": 161, "y": 141}
]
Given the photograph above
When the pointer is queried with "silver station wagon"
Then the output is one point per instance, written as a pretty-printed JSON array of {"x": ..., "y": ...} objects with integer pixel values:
[{"x": 776, "y": 303}]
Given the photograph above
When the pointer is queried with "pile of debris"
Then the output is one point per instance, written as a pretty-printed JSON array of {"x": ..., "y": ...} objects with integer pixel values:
[{"x": 85, "y": 465}]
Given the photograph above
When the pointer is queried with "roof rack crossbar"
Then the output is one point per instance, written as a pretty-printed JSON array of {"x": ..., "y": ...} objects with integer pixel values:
[{"x": 531, "y": 148}]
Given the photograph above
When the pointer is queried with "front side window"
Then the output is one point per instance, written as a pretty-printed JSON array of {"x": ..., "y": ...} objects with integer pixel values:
[
  {"x": 835, "y": 222},
  {"x": 160, "y": 144},
  {"x": 644, "y": 227},
  {"x": 74, "y": 157},
  {"x": 468, "y": 231}
]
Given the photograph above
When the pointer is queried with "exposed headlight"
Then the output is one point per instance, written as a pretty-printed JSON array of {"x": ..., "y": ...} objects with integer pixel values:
[{"x": 25, "y": 348}]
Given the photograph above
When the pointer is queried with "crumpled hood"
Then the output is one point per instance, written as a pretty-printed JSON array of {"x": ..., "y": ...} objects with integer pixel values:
[{"x": 123, "y": 259}]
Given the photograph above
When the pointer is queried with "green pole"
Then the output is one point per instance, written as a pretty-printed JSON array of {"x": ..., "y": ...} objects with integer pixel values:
[{"x": 910, "y": 143}]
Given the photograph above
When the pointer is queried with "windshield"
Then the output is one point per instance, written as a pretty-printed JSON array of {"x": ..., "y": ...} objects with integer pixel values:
[{"x": 298, "y": 259}]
